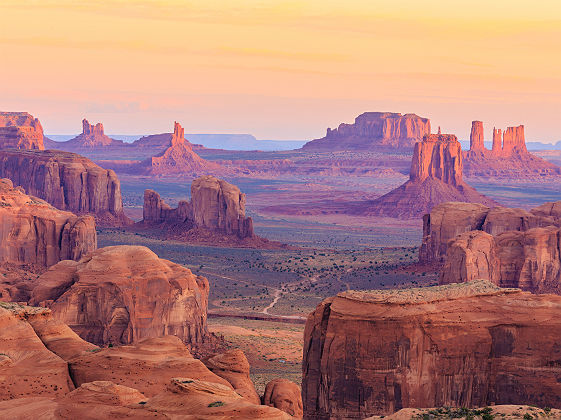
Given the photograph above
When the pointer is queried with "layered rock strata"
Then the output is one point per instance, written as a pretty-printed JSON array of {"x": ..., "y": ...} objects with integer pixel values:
[
  {"x": 435, "y": 177},
  {"x": 122, "y": 294},
  {"x": 34, "y": 232},
  {"x": 374, "y": 130},
  {"x": 20, "y": 130},
  {"x": 67, "y": 181},
  {"x": 461, "y": 345}
]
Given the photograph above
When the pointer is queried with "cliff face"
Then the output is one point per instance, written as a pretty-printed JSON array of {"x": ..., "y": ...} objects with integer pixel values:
[
  {"x": 34, "y": 232},
  {"x": 19, "y": 130},
  {"x": 215, "y": 205},
  {"x": 448, "y": 220},
  {"x": 466, "y": 345},
  {"x": 122, "y": 294},
  {"x": 435, "y": 177},
  {"x": 529, "y": 260},
  {"x": 68, "y": 182},
  {"x": 374, "y": 130},
  {"x": 508, "y": 158}
]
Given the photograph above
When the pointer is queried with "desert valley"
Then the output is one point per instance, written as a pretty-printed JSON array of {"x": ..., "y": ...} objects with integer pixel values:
[{"x": 182, "y": 236}]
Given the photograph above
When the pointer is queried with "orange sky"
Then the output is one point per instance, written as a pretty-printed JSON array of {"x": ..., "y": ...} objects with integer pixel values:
[{"x": 281, "y": 69}]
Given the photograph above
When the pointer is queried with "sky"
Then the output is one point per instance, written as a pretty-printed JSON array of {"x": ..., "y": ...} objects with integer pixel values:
[{"x": 281, "y": 69}]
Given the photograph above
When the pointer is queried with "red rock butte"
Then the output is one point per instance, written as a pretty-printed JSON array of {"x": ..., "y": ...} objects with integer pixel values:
[
  {"x": 67, "y": 181},
  {"x": 508, "y": 157},
  {"x": 460, "y": 345},
  {"x": 372, "y": 131},
  {"x": 435, "y": 177},
  {"x": 20, "y": 130}
]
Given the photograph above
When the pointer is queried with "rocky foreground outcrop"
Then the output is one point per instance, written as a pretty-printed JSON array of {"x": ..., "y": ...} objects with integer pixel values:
[
  {"x": 435, "y": 177},
  {"x": 67, "y": 181},
  {"x": 448, "y": 220},
  {"x": 20, "y": 130},
  {"x": 47, "y": 371},
  {"x": 508, "y": 157},
  {"x": 284, "y": 395},
  {"x": 374, "y": 131},
  {"x": 122, "y": 294},
  {"x": 461, "y": 345},
  {"x": 34, "y": 232}
]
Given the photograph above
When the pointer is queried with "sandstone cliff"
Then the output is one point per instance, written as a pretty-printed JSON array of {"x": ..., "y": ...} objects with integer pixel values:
[
  {"x": 215, "y": 215},
  {"x": 374, "y": 130},
  {"x": 508, "y": 158},
  {"x": 121, "y": 294},
  {"x": 34, "y": 232},
  {"x": 462, "y": 345},
  {"x": 19, "y": 130},
  {"x": 448, "y": 220},
  {"x": 435, "y": 177},
  {"x": 68, "y": 182}
]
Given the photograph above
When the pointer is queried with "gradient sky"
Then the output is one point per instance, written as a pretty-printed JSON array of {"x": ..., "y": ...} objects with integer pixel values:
[{"x": 281, "y": 69}]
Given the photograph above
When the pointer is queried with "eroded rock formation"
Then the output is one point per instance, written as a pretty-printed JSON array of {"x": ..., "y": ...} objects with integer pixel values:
[
  {"x": 508, "y": 157},
  {"x": 374, "y": 130},
  {"x": 67, "y": 181},
  {"x": 435, "y": 177},
  {"x": 462, "y": 345},
  {"x": 92, "y": 136},
  {"x": 20, "y": 130},
  {"x": 284, "y": 395},
  {"x": 178, "y": 159},
  {"x": 215, "y": 206},
  {"x": 448, "y": 220},
  {"x": 34, "y": 232},
  {"x": 122, "y": 294}
]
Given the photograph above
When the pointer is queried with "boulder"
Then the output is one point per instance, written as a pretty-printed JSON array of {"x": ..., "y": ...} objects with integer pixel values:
[
  {"x": 34, "y": 232},
  {"x": 122, "y": 294},
  {"x": 284, "y": 395},
  {"x": 234, "y": 367},
  {"x": 460, "y": 345}
]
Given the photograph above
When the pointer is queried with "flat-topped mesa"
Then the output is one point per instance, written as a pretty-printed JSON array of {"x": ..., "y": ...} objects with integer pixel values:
[
  {"x": 67, "y": 181},
  {"x": 20, "y": 130},
  {"x": 497, "y": 141},
  {"x": 215, "y": 205},
  {"x": 374, "y": 130},
  {"x": 476, "y": 138},
  {"x": 438, "y": 156},
  {"x": 34, "y": 232},
  {"x": 461, "y": 345}
]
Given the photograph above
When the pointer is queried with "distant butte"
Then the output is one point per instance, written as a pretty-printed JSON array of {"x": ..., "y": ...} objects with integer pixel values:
[
  {"x": 435, "y": 177},
  {"x": 508, "y": 157},
  {"x": 374, "y": 131}
]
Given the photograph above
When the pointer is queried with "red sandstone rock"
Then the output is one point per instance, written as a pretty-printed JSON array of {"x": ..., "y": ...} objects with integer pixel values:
[
  {"x": 497, "y": 141},
  {"x": 34, "y": 232},
  {"x": 284, "y": 395},
  {"x": 178, "y": 159},
  {"x": 68, "y": 182},
  {"x": 92, "y": 137},
  {"x": 374, "y": 130},
  {"x": 19, "y": 130},
  {"x": 435, "y": 177},
  {"x": 463, "y": 345},
  {"x": 529, "y": 260},
  {"x": 122, "y": 294},
  {"x": 234, "y": 367},
  {"x": 448, "y": 220},
  {"x": 476, "y": 136},
  {"x": 148, "y": 365}
]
